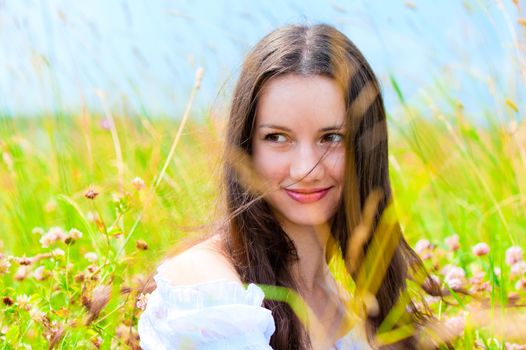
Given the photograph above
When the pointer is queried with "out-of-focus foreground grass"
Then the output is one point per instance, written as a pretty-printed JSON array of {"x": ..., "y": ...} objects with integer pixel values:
[{"x": 83, "y": 223}]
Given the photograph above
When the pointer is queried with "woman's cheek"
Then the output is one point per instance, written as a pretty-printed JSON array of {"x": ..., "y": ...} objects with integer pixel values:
[{"x": 272, "y": 165}]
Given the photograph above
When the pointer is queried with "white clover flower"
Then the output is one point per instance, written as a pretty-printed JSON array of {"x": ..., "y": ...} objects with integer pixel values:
[
  {"x": 91, "y": 256},
  {"x": 58, "y": 252},
  {"x": 75, "y": 234}
]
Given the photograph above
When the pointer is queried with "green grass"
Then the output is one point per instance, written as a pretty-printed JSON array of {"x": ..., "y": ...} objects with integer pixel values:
[{"x": 449, "y": 176}]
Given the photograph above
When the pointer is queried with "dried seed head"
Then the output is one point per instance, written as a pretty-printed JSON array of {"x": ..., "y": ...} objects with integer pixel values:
[
  {"x": 79, "y": 277},
  {"x": 141, "y": 245},
  {"x": 24, "y": 261},
  {"x": 101, "y": 296},
  {"x": 7, "y": 301},
  {"x": 91, "y": 194}
]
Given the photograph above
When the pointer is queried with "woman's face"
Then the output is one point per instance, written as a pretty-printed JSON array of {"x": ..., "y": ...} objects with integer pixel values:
[{"x": 298, "y": 120}]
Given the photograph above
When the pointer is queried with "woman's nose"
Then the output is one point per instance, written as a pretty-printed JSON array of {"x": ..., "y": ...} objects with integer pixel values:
[{"x": 306, "y": 164}]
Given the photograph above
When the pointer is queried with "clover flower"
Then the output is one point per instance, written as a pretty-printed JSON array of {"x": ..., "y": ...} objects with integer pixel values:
[
  {"x": 454, "y": 277},
  {"x": 518, "y": 269},
  {"x": 513, "y": 255},
  {"x": 453, "y": 242},
  {"x": 480, "y": 249},
  {"x": 91, "y": 256},
  {"x": 40, "y": 273},
  {"x": 54, "y": 234},
  {"x": 75, "y": 234}
]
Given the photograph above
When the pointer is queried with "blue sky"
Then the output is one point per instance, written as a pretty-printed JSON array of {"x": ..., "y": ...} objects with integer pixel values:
[{"x": 143, "y": 54}]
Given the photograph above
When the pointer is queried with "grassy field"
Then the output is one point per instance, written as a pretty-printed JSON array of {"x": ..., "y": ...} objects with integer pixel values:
[{"x": 85, "y": 217}]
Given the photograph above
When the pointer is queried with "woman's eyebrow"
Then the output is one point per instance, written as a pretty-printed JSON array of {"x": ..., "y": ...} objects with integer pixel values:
[{"x": 273, "y": 126}]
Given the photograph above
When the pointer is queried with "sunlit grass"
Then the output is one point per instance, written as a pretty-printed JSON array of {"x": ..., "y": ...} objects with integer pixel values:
[{"x": 450, "y": 177}]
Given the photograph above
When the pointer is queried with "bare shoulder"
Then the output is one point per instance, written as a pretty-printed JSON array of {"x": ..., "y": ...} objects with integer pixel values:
[{"x": 199, "y": 264}]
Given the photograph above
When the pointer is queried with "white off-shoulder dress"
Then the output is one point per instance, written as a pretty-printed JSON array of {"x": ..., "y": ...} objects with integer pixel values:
[{"x": 216, "y": 315}]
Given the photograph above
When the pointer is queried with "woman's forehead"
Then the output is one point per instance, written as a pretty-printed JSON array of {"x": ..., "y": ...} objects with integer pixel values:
[{"x": 292, "y": 100}]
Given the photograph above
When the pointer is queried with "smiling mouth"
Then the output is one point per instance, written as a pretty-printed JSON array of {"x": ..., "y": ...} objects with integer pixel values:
[{"x": 307, "y": 196}]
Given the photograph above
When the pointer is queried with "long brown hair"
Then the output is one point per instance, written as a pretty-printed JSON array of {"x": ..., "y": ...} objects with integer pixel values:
[{"x": 253, "y": 239}]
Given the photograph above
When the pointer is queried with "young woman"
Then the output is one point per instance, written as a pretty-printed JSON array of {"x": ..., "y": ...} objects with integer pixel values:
[{"x": 306, "y": 150}]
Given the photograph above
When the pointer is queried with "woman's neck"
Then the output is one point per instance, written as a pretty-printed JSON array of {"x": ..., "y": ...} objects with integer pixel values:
[{"x": 311, "y": 270}]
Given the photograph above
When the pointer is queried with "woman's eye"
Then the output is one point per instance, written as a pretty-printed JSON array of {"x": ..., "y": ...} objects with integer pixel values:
[
  {"x": 275, "y": 138},
  {"x": 333, "y": 138}
]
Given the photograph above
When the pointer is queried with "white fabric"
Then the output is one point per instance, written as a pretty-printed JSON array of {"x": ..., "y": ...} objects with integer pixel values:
[{"x": 217, "y": 315}]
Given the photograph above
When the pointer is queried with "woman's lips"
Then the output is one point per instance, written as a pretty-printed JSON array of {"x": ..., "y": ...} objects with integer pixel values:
[{"x": 307, "y": 197}]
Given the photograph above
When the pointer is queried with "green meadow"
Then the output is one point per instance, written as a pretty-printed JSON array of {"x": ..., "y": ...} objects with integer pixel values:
[{"x": 91, "y": 203}]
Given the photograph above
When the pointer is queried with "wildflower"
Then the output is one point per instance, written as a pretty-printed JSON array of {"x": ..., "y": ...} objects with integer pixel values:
[
  {"x": 521, "y": 284},
  {"x": 58, "y": 252},
  {"x": 73, "y": 235},
  {"x": 454, "y": 277},
  {"x": 21, "y": 273},
  {"x": 453, "y": 271},
  {"x": 142, "y": 301},
  {"x": 4, "y": 266},
  {"x": 138, "y": 183},
  {"x": 422, "y": 245},
  {"x": 38, "y": 231},
  {"x": 423, "y": 248},
  {"x": 141, "y": 245},
  {"x": 54, "y": 234},
  {"x": 478, "y": 277},
  {"x": 453, "y": 242},
  {"x": 23, "y": 302},
  {"x": 40, "y": 273},
  {"x": 91, "y": 194},
  {"x": 478, "y": 283},
  {"x": 455, "y": 284},
  {"x": 518, "y": 269},
  {"x": 37, "y": 315},
  {"x": 90, "y": 256},
  {"x": 480, "y": 249},
  {"x": 513, "y": 255}
]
